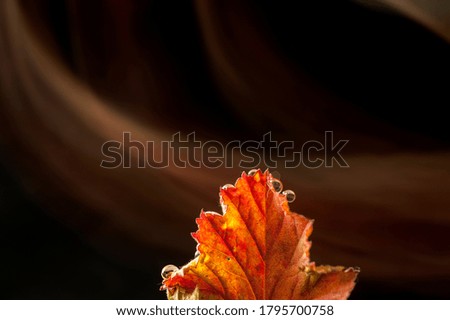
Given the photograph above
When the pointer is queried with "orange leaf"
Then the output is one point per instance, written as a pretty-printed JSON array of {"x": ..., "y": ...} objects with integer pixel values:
[{"x": 258, "y": 249}]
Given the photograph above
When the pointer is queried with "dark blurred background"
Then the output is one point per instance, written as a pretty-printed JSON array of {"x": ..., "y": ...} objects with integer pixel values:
[{"x": 75, "y": 74}]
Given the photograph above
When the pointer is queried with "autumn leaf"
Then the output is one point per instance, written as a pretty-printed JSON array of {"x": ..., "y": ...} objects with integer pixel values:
[{"x": 258, "y": 249}]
